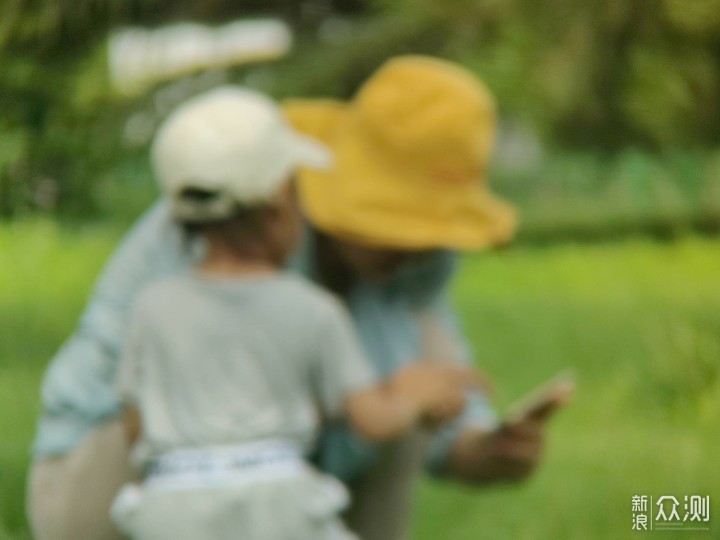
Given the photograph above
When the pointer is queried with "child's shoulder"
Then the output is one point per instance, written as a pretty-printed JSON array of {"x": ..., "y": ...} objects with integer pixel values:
[
  {"x": 159, "y": 292},
  {"x": 307, "y": 294}
]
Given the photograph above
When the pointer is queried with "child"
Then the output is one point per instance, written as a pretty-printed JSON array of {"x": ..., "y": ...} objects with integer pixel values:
[{"x": 228, "y": 371}]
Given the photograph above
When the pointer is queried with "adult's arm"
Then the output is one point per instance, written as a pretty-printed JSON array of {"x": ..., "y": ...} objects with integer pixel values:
[
  {"x": 476, "y": 448},
  {"x": 77, "y": 390},
  {"x": 132, "y": 424}
]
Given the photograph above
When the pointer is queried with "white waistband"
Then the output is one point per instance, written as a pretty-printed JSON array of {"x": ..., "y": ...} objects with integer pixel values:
[{"x": 221, "y": 465}]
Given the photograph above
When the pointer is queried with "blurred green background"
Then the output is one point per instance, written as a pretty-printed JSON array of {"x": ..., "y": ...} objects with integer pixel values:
[
  {"x": 608, "y": 144},
  {"x": 610, "y": 108}
]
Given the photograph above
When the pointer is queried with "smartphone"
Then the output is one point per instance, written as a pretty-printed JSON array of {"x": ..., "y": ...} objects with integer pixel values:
[{"x": 544, "y": 399}]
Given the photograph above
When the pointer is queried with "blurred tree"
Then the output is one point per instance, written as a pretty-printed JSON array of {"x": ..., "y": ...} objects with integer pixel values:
[
  {"x": 60, "y": 122},
  {"x": 588, "y": 74}
]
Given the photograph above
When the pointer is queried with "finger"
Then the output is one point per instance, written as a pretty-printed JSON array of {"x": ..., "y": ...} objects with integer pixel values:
[
  {"x": 520, "y": 444},
  {"x": 469, "y": 377},
  {"x": 520, "y": 451},
  {"x": 545, "y": 410},
  {"x": 526, "y": 430},
  {"x": 486, "y": 385},
  {"x": 448, "y": 408},
  {"x": 461, "y": 374},
  {"x": 434, "y": 419},
  {"x": 454, "y": 407}
]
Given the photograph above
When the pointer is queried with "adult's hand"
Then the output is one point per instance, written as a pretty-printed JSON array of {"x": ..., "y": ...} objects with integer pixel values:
[{"x": 512, "y": 452}]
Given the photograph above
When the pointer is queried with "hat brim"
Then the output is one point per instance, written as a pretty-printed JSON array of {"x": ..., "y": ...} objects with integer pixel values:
[{"x": 370, "y": 196}]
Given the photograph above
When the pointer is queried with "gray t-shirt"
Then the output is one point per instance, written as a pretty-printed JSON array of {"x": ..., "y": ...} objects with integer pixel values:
[{"x": 217, "y": 361}]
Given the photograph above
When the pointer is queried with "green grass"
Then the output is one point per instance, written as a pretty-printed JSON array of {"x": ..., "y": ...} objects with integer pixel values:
[
  {"x": 45, "y": 275},
  {"x": 639, "y": 321},
  {"x": 640, "y": 324}
]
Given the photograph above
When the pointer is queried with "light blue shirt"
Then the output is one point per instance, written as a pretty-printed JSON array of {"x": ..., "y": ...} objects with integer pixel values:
[{"x": 78, "y": 394}]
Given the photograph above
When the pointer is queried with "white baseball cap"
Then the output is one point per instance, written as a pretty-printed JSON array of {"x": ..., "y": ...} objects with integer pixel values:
[{"x": 233, "y": 146}]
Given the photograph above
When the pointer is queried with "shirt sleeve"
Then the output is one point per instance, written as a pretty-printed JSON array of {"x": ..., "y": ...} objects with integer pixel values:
[
  {"x": 340, "y": 366},
  {"x": 80, "y": 377},
  {"x": 129, "y": 376},
  {"x": 478, "y": 412}
]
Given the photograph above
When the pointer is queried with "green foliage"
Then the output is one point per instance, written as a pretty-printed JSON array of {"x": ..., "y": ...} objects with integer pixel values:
[
  {"x": 599, "y": 73},
  {"x": 698, "y": 18},
  {"x": 595, "y": 76},
  {"x": 60, "y": 123},
  {"x": 638, "y": 321},
  {"x": 593, "y": 195},
  {"x": 671, "y": 94}
]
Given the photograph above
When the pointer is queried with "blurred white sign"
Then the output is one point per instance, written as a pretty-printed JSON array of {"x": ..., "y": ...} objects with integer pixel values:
[{"x": 139, "y": 58}]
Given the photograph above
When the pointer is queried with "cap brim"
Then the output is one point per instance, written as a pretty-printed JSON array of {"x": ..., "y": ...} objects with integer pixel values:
[{"x": 310, "y": 153}]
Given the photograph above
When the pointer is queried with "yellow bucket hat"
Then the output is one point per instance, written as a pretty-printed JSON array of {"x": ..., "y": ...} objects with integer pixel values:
[{"x": 410, "y": 159}]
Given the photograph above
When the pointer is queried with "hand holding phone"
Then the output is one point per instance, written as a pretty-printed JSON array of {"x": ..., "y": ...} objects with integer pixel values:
[{"x": 544, "y": 400}]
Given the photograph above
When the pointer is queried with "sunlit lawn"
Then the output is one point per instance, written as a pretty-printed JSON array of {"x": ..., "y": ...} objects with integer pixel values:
[{"x": 639, "y": 322}]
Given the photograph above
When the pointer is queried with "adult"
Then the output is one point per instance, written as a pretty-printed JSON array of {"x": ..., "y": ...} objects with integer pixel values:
[{"x": 407, "y": 191}]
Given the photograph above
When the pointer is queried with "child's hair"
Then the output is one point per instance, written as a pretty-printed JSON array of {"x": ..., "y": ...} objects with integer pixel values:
[
  {"x": 245, "y": 227},
  {"x": 332, "y": 272}
]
